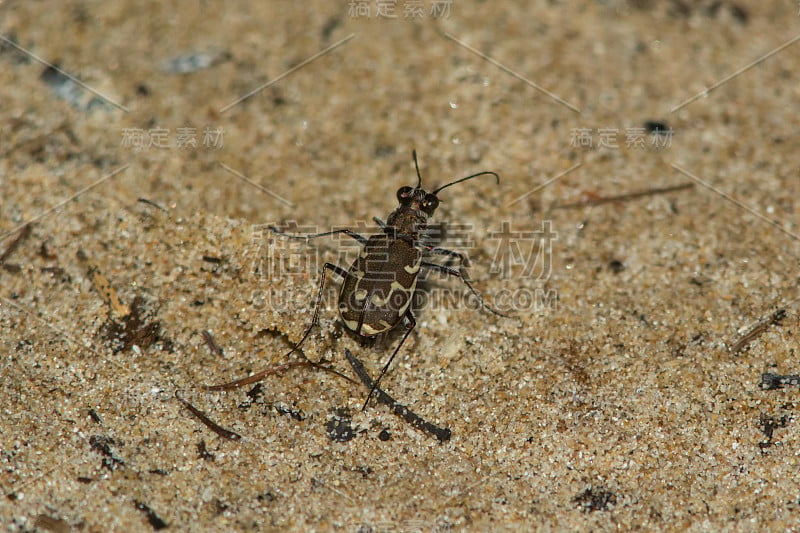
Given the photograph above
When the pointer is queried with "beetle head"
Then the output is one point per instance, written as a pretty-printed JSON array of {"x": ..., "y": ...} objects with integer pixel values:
[{"x": 417, "y": 204}]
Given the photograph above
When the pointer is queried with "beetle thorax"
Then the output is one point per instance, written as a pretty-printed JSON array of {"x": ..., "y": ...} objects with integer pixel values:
[
  {"x": 411, "y": 216},
  {"x": 407, "y": 221}
]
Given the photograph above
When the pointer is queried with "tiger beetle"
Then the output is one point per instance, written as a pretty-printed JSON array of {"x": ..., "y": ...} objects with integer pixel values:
[{"x": 377, "y": 290}]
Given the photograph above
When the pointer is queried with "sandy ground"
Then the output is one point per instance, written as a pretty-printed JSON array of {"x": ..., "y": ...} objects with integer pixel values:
[{"x": 644, "y": 234}]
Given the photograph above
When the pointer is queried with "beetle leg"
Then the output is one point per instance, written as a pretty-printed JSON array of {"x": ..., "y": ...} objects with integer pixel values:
[
  {"x": 258, "y": 376},
  {"x": 453, "y": 255},
  {"x": 453, "y": 272},
  {"x": 381, "y": 224},
  {"x": 348, "y": 232},
  {"x": 412, "y": 323},
  {"x": 328, "y": 266}
]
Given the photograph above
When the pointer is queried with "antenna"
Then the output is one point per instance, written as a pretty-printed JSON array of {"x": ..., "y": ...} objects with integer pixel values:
[
  {"x": 419, "y": 177},
  {"x": 484, "y": 173}
]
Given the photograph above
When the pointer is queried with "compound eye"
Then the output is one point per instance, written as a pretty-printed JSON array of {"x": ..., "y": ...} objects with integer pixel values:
[
  {"x": 404, "y": 193},
  {"x": 430, "y": 203}
]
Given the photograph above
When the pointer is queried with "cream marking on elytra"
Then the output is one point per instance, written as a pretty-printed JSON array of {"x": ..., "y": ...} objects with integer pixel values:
[
  {"x": 412, "y": 269},
  {"x": 377, "y": 301}
]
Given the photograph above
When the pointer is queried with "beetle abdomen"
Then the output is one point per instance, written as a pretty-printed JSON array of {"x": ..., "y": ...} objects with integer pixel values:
[{"x": 379, "y": 286}]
